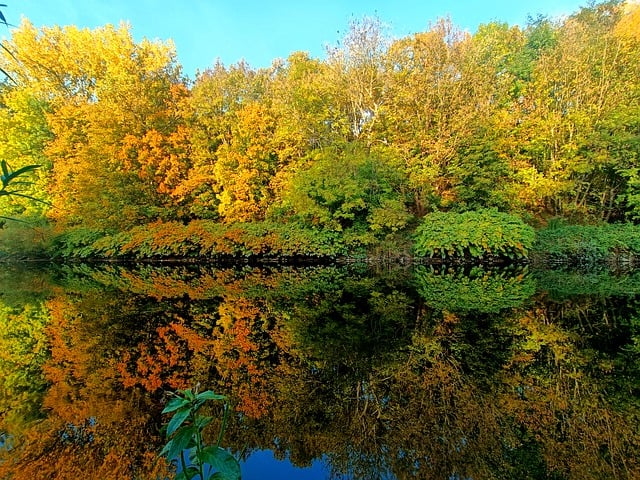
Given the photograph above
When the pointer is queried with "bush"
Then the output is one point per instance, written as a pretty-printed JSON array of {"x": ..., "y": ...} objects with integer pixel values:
[
  {"x": 474, "y": 234},
  {"x": 200, "y": 238},
  {"x": 588, "y": 243}
]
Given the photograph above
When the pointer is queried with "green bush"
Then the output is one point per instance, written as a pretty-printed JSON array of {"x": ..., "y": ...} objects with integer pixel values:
[
  {"x": 473, "y": 234},
  {"x": 77, "y": 242},
  {"x": 200, "y": 238},
  {"x": 588, "y": 243}
]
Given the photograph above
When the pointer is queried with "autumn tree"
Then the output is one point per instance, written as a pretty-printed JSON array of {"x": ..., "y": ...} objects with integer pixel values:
[
  {"x": 101, "y": 90},
  {"x": 570, "y": 157}
]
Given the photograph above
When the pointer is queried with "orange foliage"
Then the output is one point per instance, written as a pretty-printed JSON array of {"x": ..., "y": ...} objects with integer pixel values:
[
  {"x": 239, "y": 352},
  {"x": 92, "y": 428},
  {"x": 168, "y": 362}
]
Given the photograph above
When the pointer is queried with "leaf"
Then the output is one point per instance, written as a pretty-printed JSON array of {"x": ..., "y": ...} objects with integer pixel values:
[
  {"x": 187, "y": 474},
  {"x": 221, "y": 460},
  {"x": 188, "y": 393},
  {"x": 178, "y": 419},
  {"x": 202, "y": 421},
  {"x": 22, "y": 170},
  {"x": 8, "y": 176},
  {"x": 209, "y": 395},
  {"x": 174, "y": 404},
  {"x": 182, "y": 441}
]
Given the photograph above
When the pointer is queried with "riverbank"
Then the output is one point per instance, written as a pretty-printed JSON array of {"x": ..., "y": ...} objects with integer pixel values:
[{"x": 486, "y": 237}]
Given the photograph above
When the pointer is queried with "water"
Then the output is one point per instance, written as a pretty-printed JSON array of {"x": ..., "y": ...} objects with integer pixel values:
[{"x": 333, "y": 372}]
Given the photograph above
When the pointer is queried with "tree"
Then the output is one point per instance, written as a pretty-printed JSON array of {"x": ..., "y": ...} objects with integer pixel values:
[
  {"x": 101, "y": 89},
  {"x": 350, "y": 190}
]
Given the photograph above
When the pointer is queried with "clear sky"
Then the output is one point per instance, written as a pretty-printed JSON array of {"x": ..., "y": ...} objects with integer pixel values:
[{"x": 260, "y": 31}]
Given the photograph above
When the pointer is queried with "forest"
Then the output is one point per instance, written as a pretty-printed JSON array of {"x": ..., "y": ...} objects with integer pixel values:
[{"x": 530, "y": 125}]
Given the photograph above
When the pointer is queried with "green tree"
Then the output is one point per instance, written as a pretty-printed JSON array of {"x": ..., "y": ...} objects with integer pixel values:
[{"x": 350, "y": 190}]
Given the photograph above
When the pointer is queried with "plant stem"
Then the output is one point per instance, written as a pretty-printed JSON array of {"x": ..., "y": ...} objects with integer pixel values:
[
  {"x": 198, "y": 446},
  {"x": 184, "y": 465},
  {"x": 223, "y": 427}
]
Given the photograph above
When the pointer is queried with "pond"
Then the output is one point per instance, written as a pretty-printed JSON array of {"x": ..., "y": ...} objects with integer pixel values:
[{"x": 333, "y": 371}]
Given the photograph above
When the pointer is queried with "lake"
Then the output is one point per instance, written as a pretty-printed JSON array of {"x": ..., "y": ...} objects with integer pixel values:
[{"x": 334, "y": 372}]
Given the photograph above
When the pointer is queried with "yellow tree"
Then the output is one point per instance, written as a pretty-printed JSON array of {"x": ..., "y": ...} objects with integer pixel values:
[
  {"x": 101, "y": 88},
  {"x": 355, "y": 73},
  {"x": 216, "y": 98},
  {"x": 574, "y": 129},
  {"x": 303, "y": 103},
  {"x": 24, "y": 134},
  {"x": 438, "y": 96}
]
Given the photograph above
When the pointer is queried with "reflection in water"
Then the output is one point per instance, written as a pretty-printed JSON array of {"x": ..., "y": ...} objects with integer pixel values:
[{"x": 400, "y": 374}]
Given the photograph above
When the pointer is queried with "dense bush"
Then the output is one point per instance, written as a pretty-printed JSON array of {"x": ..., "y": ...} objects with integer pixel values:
[
  {"x": 473, "y": 234},
  {"x": 588, "y": 243},
  {"x": 200, "y": 238}
]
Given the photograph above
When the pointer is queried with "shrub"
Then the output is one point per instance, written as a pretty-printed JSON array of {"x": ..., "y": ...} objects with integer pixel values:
[
  {"x": 473, "y": 234},
  {"x": 588, "y": 243}
]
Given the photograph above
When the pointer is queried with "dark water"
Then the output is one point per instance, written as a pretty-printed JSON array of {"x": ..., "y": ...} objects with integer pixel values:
[{"x": 333, "y": 372}]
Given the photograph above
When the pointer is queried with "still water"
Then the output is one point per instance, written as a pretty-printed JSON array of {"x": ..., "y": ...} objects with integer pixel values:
[{"x": 336, "y": 372}]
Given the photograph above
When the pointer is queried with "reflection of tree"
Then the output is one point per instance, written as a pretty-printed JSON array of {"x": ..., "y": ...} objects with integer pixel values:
[
  {"x": 23, "y": 350},
  {"x": 90, "y": 428},
  {"x": 339, "y": 363},
  {"x": 560, "y": 398}
]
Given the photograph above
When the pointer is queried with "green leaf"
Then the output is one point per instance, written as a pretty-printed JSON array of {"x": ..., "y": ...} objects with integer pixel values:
[
  {"x": 221, "y": 460},
  {"x": 188, "y": 393},
  {"x": 20, "y": 171},
  {"x": 187, "y": 474},
  {"x": 178, "y": 419},
  {"x": 202, "y": 421},
  {"x": 209, "y": 395},
  {"x": 174, "y": 404},
  {"x": 8, "y": 176},
  {"x": 182, "y": 441}
]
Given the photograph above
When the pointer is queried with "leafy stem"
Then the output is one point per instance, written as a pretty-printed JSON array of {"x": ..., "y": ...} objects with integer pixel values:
[{"x": 184, "y": 432}]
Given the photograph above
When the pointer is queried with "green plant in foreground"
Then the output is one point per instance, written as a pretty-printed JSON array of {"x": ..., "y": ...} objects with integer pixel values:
[
  {"x": 11, "y": 182},
  {"x": 186, "y": 444}
]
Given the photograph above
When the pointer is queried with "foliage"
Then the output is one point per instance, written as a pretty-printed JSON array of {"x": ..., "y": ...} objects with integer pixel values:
[
  {"x": 477, "y": 290},
  {"x": 561, "y": 284},
  {"x": 350, "y": 189},
  {"x": 184, "y": 431},
  {"x": 347, "y": 151},
  {"x": 475, "y": 234},
  {"x": 202, "y": 238},
  {"x": 76, "y": 242},
  {"x": 13, "y": 184},
  {"x": 587, "y": 244},
  {"x": 23, "y": 352},
  {"x": 336, "y": 364}
]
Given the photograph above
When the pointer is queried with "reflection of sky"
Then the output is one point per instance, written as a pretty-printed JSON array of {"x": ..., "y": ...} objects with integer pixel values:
[{"x": 262, "y": 465}]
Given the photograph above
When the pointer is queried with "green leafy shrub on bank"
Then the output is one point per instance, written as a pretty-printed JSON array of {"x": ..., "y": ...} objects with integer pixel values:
[
  {"x": 200, "y": 238},
  {"x": 473, "y": 234},
  {"x": 588, "y": 243}
]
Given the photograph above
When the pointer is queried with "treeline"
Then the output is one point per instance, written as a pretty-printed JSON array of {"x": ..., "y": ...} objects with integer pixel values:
[{"x": 541, "y": 121}]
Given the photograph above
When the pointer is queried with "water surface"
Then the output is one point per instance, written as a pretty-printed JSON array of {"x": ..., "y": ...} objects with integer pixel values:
[{"x": 333, "y": 372}]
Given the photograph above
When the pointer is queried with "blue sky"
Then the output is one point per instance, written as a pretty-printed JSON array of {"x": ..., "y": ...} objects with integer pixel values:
[{"x": 260, "y": 31}]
